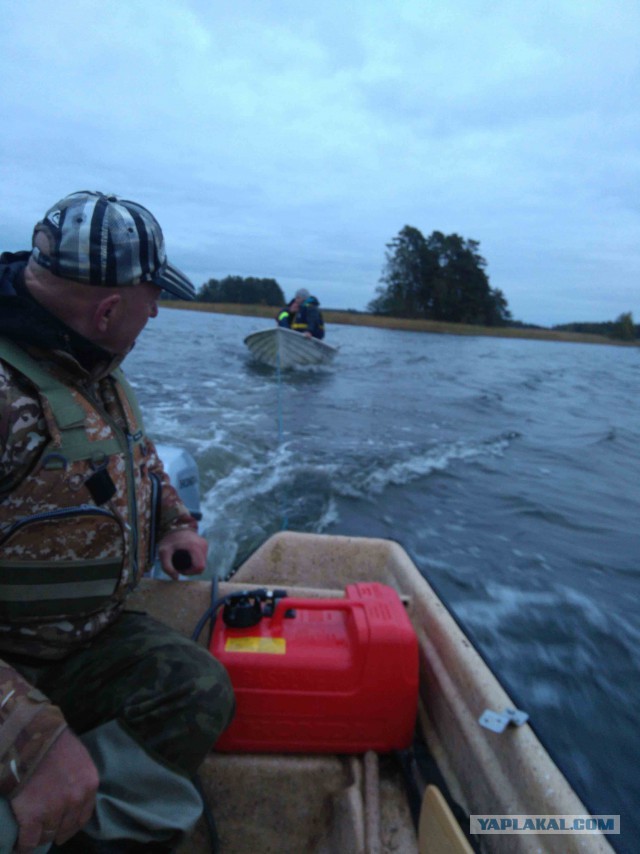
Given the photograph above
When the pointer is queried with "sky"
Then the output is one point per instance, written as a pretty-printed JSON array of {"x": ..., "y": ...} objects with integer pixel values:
[{"x": 294, "y": 140}]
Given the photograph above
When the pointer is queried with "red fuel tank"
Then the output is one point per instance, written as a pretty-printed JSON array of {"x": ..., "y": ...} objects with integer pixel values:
[{"x": 323, "y": 675}]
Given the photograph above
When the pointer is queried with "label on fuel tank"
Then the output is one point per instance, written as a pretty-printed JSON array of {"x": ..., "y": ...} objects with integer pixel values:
[{"x": 270, "y": 646}]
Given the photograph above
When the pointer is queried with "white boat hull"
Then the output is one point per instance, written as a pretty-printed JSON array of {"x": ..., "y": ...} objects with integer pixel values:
[{"x": 283, "y": 348}]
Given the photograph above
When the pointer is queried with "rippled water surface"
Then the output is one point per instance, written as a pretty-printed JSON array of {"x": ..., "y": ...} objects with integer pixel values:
[{"x": 509, "y": 470}]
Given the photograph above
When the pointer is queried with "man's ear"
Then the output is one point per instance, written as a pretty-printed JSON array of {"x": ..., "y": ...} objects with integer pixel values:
[{"x": 104, "y": 314}]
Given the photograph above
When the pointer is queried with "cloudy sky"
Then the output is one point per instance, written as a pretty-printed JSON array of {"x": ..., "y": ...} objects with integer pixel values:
[{"x": 291, "y": 139}]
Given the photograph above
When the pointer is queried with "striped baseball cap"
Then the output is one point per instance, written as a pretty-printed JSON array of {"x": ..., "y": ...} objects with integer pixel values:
[{"x": 100, "y": 239}]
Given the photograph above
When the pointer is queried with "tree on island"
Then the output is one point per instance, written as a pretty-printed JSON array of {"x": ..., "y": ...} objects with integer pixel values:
[
  {"x": 237, "y": 289},
  {"x": 441, "y": 277},
  {"x": 624, "y": 328}
]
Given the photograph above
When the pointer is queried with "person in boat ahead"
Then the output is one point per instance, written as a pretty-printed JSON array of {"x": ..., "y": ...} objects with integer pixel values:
[
  {"x": 286, "y": 315},
  {"x": 307, "y": 317},
  {"x": 105, "y": 715}
]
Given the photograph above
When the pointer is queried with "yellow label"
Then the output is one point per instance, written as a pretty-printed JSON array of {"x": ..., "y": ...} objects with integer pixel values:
[{"x": 272, "y": 646}]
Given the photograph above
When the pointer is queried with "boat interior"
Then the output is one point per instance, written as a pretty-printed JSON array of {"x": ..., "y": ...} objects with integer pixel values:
[{"x": 416, "y": 800}]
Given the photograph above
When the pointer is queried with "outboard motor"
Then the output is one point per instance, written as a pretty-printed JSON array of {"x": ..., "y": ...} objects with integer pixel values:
[{"x": 185, "y": 478}]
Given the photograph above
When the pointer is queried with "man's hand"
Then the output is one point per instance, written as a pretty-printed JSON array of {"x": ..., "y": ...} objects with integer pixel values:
[
  {"x": 188, "y": 541},
  {"x": 60, "y": 796}
]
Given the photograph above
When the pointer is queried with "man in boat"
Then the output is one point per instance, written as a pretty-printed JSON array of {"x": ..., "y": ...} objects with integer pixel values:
[
  {"x": 286, "y": 314},
  {"x": 105, "y": 714},
  {"x": 306, "y": 316}
]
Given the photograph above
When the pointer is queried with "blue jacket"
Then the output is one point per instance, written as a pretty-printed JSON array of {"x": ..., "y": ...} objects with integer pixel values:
[{"x": 309, "y": 318}]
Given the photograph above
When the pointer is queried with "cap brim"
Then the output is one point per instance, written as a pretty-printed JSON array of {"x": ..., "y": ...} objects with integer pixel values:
[{"x": 170, "y": 279}]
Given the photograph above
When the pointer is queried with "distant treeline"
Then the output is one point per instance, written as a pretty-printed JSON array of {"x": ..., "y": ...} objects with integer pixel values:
[
  {"x": 250, "y": 291},
  {"x": 623, "y": 329},
  {"x": 438, "y": 278}
]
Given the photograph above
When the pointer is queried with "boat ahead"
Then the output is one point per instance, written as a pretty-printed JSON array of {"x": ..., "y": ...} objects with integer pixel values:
[
  {"x": 417, "y": 799},
  {"x": 284, "y": 348}
]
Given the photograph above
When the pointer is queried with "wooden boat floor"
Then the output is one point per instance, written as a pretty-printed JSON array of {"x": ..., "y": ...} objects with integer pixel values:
[{"x": 297, "y": 803}]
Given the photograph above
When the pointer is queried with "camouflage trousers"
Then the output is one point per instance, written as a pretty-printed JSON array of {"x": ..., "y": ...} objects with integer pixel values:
[
  {"x": 168, "y": 693},
  {"x": 148, "y": 704}
]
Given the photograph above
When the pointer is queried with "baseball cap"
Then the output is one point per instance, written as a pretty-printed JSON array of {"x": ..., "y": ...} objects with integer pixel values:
[
  {"x": 103, "y": 240},
  {"x": 302, "y": 293}
]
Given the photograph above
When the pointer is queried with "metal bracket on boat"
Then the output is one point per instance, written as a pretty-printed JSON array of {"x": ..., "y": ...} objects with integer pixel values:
[{"x": 499, "y": 721}]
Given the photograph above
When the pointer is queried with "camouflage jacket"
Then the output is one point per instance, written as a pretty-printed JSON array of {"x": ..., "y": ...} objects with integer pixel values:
[{"x": 76, "y": 533}]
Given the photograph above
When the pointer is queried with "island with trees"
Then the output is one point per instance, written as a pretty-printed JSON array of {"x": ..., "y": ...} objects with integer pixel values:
[{"x": 440, "y": 277}]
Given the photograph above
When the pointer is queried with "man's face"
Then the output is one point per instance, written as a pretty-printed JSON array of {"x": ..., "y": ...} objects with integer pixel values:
[{"x": 138, "y": 305}]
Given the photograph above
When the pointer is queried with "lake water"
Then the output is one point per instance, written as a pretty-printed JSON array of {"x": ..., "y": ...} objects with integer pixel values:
[{"x": 509, "y": 470}]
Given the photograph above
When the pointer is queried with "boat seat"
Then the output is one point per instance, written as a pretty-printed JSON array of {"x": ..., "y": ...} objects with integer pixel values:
[{"x": 438, "y": 830}]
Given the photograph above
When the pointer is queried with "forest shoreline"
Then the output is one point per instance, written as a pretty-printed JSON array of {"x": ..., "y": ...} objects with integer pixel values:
[{"x": 355, "y": 318}]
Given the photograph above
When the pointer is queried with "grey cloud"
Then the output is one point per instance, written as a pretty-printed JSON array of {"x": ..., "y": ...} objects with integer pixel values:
[{"x": 288, "y": 142}]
